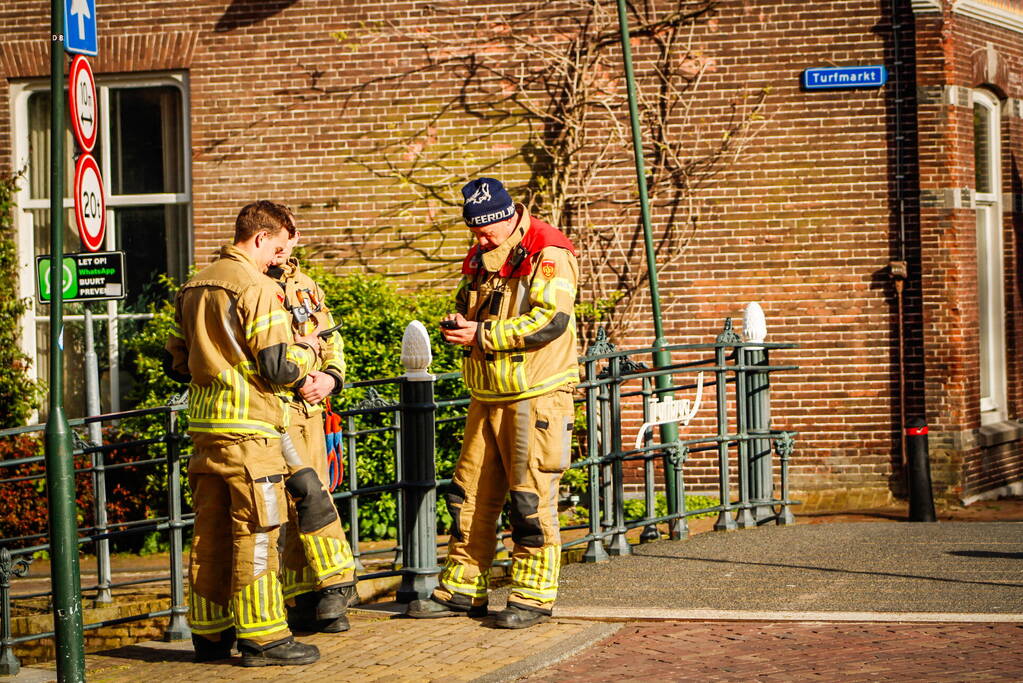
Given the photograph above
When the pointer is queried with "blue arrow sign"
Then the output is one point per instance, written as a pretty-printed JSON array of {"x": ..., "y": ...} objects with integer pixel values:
[
  {"x": 831, "y": 78},
  {"x": 80, "y": 27}
]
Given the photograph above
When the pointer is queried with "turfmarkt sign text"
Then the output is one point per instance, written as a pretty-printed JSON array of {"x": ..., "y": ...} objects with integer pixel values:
[{"x": 832, "y": 78}]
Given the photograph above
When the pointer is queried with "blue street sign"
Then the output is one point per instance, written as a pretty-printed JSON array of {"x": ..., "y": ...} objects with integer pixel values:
[
  {"x": 80, "y": 27},
  {"x": 833, "y": 78}
]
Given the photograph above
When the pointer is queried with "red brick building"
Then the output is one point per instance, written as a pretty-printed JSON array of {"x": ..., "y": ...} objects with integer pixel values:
[{"x": 330, "y": 106}]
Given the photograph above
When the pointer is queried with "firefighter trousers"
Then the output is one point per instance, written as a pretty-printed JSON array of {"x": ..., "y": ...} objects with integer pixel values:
[
  {"x": 316, "y": 551},
  {"x": 238, "y": 496},
  {"x": 518, "y": 448}
]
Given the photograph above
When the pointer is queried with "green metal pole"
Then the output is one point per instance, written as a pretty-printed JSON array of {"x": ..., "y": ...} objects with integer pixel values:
[
  {"x": 669, "y": 432},
  {"x": 60, "y": 471}
]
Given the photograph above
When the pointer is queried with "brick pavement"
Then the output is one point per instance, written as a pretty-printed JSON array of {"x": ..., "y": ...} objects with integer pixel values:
[
  {"x": 377, "y": 648},
  {"x": 761, "y": 652}
]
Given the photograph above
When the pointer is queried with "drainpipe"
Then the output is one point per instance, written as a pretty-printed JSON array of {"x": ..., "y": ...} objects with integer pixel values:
[{"x": 899, "y": 269}]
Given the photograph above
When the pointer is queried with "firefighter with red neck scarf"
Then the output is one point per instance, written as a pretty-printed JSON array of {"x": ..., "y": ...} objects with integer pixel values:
[
  {"x": 318, "y": 568},
  {"x": 514, "y": 317}
]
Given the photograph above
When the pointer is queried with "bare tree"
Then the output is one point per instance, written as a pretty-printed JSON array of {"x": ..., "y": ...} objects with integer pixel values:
[{"x": 549, "y": 77}]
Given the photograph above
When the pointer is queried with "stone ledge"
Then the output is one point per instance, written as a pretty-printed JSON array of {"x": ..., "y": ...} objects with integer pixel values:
[{"x": 998, "y": 433}]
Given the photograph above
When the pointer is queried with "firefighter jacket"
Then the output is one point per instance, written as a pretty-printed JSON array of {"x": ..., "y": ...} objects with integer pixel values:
[
  {"x": 305, "y": 302},
  {"x": 522, "y": 293},
  {"x": 232, "y": 342}
]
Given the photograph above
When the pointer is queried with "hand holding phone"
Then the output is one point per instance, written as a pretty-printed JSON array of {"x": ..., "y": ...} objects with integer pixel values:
[{"x": 449, "y": 324}]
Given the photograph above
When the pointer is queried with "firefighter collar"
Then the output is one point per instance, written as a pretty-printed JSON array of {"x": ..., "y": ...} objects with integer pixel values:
[
  {"x": 229, "y": 251},
  {"x": 496, "y": 257}
]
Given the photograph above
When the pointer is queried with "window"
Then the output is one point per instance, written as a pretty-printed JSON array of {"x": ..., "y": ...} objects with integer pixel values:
[
  {"x": 142, "y": 151},
  {"x": 990, "y": 275}
]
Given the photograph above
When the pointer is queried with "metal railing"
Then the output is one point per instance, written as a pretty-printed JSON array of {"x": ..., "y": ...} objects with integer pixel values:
[{"x": 617, "y": 391}]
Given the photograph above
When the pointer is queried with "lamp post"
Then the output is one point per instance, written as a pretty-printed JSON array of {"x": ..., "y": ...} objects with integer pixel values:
[
  {"x": 60, "y": 471},
  {"x": 661, "y": 358}
]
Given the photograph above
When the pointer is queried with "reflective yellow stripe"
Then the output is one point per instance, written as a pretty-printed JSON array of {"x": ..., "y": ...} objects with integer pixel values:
[
  {"x": 259, "y": 608},
  {"x": 536, "y": 576},
  {"x": 206, "y": 617},
  {"x": 327, "y": 556},
  {"x": 227, "y": 426},
  {"x": 265, "y": 322},
  {"x": 566, "y": 377},
  {"x": 452, "y": 579}
]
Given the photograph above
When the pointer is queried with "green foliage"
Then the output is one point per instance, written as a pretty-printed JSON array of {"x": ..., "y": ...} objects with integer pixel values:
[
  {"x": 635, "y": 508},
  {"x": 24, "y": 512},
  {"x": 374, "y": 315},
  {"x": 19, "y": 394},
  {"x": 152, "y": 389},
  {"x": 592, "y": 314}
]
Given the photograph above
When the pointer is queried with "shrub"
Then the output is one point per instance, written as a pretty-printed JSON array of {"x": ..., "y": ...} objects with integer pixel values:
[
  {"x": 24, "y": 512},
  {"x": 19, "y": 394}
]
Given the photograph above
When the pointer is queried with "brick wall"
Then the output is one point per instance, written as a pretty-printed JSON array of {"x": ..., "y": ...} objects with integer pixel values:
[{"x": 290, "y": 100}]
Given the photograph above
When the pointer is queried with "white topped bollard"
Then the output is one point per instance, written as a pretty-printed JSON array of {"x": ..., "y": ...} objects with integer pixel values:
[
  {"x": 758, "y": 411},
  {"x": 754, "y": 324},
  {"x": 416, "y": 353},
  {"x": 419, "y": 471}
]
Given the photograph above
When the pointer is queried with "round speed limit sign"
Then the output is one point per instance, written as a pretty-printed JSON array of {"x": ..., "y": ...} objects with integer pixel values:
[
  {"x": 82, "y": 100},
  {"x": 90, "y": 204}
]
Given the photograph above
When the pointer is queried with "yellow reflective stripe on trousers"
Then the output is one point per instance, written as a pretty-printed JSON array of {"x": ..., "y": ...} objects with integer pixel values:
[
  {"x": 297, "y": 581},
  {"x": 452, "y": 578},
  {"x": 206, "y": 617},
  {"x": 326, "y": 556},
  {"x": 259, "y": 608},
  {"x": 536, "y": 576}
]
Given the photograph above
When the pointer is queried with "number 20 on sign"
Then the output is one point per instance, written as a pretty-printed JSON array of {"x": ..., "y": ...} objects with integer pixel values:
[{"x": 90, "y": 204}]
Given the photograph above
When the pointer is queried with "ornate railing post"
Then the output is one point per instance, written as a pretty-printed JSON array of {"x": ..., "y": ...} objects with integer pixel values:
[
  {"x": 727, "y": 338},
  {"x": 676, "y": 455},
  {"x": 177, "y": 628},
  {"x": 595, "y": 551},
  {"x": 758, "y": 411},
  {"x": 419, "y": 484},
  {"x": 618, "y": 544},
  {"x": 784, "y": 446},
  {"x": 9, "y": 664}
]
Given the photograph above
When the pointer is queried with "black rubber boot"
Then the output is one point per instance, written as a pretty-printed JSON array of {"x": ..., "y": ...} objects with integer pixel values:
[
  {"x": 435, "y": 608},
  {"x": 339, "y": 625},
  {"x": 332, "y": 603},
  {"x": 350, "y": 594},
  {"x": 207, "y": 650},
  {"x": 285, "y": 652},
  {"x": 514, "y": 616}
]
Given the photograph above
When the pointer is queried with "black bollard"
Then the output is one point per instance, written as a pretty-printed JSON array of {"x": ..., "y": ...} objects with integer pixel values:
[{"x": 921, "y": 500}]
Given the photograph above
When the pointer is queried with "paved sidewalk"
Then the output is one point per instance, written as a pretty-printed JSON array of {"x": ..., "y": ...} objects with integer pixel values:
[
  {"x": 809, "y": 602},
  {"x": 751, "y": 652}
]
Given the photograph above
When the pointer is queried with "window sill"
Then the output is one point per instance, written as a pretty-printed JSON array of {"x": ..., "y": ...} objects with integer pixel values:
[{"x": 998, "y": 433}]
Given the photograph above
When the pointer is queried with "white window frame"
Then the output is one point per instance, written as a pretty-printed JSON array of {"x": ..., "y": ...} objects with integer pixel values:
[
  {"x": 20, "y": 92},
  {"x": 991, "y": 316}
]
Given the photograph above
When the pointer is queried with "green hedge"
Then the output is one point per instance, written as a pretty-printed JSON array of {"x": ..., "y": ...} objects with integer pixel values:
[
  {"x": 19, "y": 394},
  {"x": 374, "y": 314}
]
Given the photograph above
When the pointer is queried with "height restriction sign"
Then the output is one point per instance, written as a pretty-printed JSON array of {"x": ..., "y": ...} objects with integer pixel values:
[
  {"x": 90, "y": 204},
  {"x": 82, "y": 100}
]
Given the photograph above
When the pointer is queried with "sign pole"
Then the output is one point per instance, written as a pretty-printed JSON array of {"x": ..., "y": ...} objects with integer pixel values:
[
  {"x": 669, "y": 431},
  {"x": 60, "y": 471}
]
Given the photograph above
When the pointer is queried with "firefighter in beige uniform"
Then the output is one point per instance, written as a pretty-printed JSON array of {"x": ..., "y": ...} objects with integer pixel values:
[
  {"x": 318, "y": 567},
  {"x": 515, "y": 318},
  {"x": 233, "y": 344}
]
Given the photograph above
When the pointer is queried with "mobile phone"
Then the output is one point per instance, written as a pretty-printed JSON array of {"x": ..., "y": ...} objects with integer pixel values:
[{"x": 449, "y": 324}]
